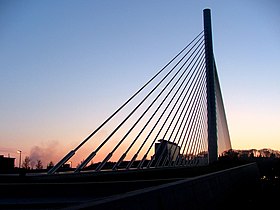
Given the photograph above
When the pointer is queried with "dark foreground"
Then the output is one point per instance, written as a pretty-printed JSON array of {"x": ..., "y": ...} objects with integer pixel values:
[
  {"x": 269, "y": 185},
  {"x": 71, "y": 191}
]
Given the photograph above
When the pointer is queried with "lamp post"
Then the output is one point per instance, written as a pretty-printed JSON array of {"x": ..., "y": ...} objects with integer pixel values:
[
  {"x": 70, "y": 163},
  {"x": 19, "y": 163}
]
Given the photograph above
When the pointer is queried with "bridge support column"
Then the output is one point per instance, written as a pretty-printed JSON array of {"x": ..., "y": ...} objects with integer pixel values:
[{"x": 211, "y": 96}]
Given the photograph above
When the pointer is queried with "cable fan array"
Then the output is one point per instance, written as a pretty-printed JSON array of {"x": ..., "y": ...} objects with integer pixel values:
[{"x": 163, "y": 124}]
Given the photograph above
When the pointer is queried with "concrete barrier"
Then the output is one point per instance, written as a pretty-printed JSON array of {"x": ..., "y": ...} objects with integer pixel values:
[{"x": 227, "y": 189}]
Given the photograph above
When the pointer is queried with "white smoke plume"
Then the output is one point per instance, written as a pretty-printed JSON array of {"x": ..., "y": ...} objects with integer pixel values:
[{"x": 45, "y": 153}]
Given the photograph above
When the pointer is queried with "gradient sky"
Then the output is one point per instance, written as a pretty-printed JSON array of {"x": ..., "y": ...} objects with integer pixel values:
[{"x": 65, "y": 66}]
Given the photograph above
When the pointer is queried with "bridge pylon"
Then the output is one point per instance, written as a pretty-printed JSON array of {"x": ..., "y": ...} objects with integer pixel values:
[{"x": 211, "y": 93}]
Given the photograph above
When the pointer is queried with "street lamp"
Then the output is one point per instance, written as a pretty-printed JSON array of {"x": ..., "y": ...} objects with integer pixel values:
[
  {"x": 19, "y": 163},
  {"x": 70, "y": 163}
]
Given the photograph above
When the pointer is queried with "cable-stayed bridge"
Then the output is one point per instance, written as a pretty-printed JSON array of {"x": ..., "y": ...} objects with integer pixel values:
[
  {"x": 153, "y": 146},
  {"x": 176, "y": 119}
]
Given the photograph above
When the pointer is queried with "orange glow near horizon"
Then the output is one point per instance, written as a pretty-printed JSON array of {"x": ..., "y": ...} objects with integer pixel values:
[{"x": 246, "y": 133}]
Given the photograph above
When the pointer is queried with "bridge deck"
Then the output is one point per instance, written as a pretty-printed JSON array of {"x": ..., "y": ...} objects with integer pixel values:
[{"x": 54, "y": 192}]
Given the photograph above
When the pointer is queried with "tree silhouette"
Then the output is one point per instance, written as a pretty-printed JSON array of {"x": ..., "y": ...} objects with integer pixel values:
[
  {"x": 39, "y": 164},
  {"x": 26, "y": 162},
  {"x": 50, "y": 165}
]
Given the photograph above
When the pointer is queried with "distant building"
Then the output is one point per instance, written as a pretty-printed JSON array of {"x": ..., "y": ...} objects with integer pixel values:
[
  {"x": 66, "y": 165},
  {"x": 167, "y": 149},
  {"x": 6, "y": 163}
]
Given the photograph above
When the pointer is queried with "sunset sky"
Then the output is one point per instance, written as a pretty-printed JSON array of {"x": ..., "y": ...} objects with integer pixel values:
[{"x": 67, "y": 65}]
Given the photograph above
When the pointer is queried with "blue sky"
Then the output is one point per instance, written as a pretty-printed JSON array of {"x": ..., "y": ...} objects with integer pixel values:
[{"x": 67, "y": 65}]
